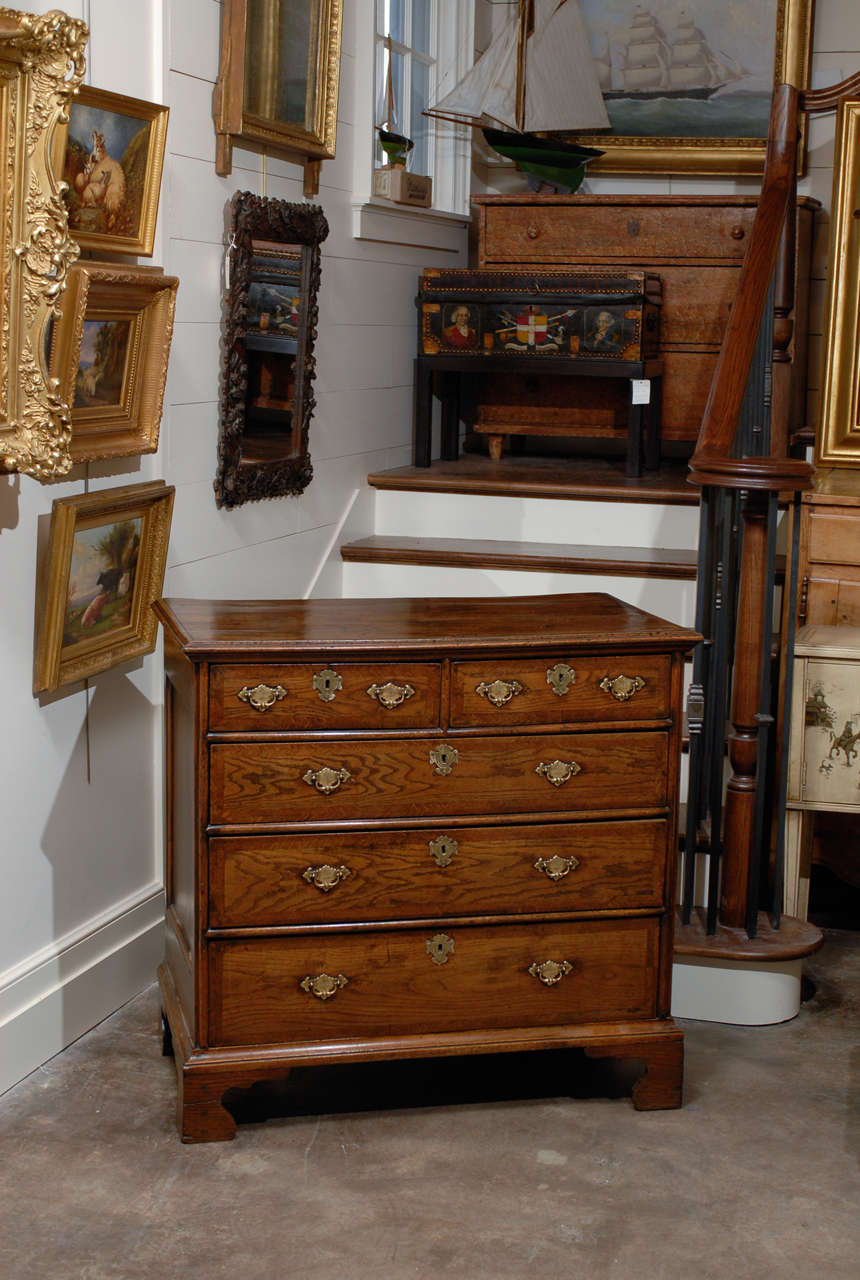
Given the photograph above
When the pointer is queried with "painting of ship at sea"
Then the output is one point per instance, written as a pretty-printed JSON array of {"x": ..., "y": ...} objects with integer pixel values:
[
  {"x": 651, "y": 63},
  {"x": 535, "y": 77}
]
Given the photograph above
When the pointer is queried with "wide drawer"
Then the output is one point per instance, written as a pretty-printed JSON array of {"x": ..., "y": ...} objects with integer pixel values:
[
  {"x": 405, "y": 982},
  {"x": 258, "y": 881},
  {"x": 560, "y": 690},
  {"x": 343, "y": 695},
  {"x": 605, "y": 233},
  {"x": 390, "y": 778},
  {"x": 832, "y": 538}
]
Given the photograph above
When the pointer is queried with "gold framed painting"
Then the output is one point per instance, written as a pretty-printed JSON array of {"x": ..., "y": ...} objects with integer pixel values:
[
  {"x": 113, "y": 152},
  {"x": 101, "y": 572},
  {"x": 837, "y": 442},
  {"x": 687, "y": 86},
  {"x": 109, "y": 351}
]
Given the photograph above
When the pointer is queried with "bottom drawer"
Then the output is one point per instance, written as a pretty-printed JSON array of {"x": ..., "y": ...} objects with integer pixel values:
[{"x": 282, "y": 990}]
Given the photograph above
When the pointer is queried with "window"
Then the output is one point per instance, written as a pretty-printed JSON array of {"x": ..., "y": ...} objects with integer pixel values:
[{"x": 409, "y": 72}]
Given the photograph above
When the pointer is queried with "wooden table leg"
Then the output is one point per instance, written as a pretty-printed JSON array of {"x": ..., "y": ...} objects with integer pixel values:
[
  {"x": 423, "y": 412},
  {"x": 634, "y": 436},
  {"x": 450, "y": 450}
]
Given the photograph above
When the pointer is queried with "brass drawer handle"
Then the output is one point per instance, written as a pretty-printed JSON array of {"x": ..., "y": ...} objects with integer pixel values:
[
  {"x": 556, "y": 867},
  {"x": 443, "y": 849},
  {"x": 323, "y": 985},
  {"x": 622, "y": 687},
  {"x": 390, "y": 695},
  {"x": 499, "y": 692},
  {"x": 440, "y": 947},
  {"x": 326, "y": 780},
  {"x": 737, "y": 233},
  {"x": 551, "y": 971},
  {"x": 262, "y": 696},
  {"x": 325, "y": 877},
  {"x": 558, "y": 771},
  {"x": 560, "y": 678},
  {"x": 532, "y": 231},
  {"x": 443, "y": 758},
  {"x": 327, "y": 683}
]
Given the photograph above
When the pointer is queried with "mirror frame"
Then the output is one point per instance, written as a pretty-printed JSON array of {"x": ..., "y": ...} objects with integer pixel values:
[
  {"x": 41, "y": 66},
  {"x": 263, "y": 133},
  {"x": 262, "y": 218}
]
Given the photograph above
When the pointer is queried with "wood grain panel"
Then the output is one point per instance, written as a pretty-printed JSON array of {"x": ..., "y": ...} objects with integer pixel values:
[
  {"x": 394, "y": 987},
  {"x": 264, "y": 782},
  {"x": 257, "y": 881}
]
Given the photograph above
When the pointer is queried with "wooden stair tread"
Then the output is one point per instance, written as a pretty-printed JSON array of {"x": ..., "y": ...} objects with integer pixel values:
[
  {"x": 598, "y": 479},
  {"x": 546, "y": 557},
  {"x": 793, "y": 939}
]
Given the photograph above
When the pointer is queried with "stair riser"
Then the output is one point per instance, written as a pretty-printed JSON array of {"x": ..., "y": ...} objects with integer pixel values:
[{"x": 451, "y": 515}]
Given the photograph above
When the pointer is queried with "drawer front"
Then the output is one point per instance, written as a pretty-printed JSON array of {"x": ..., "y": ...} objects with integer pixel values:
[
  {"x": 560, "y": 690},
  {"x": 258, "y": 881},
  {"x": 603, "y": 233},
  {"x": 324, "y": 696},
  {"x": 834, "y": 539},
  {"x": 389, "y": 778},
  {"x": 262, "y": 991}
]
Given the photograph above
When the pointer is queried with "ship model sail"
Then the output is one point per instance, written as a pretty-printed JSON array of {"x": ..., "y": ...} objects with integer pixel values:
[{"x": 536, "y": 77}]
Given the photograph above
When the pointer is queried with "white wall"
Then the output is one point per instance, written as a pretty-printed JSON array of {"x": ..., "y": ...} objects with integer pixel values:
[{"x": 81, "y": 769}]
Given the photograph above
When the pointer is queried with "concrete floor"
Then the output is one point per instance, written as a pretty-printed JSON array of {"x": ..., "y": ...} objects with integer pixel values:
[{"x": 502, "y": 1167}]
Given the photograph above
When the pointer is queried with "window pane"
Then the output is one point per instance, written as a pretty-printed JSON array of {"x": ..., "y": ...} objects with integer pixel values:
[
  {"x": 396, "y": 14},
  {"x": 422, "y": 11},
  {"x": 420, "y": 156}
]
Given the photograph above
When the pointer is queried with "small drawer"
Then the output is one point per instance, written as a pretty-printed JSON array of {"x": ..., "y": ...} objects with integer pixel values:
[
  {"x": 336, "y": 695},
  {"x": 261, "y": 881},
  {"x": 833, "y": 538},
  {"x": 282, "y": 782},
  {"x": 601, "y": 233},
  {"x": 438, "y": 979},
  {"x": 560, "y": 690}
]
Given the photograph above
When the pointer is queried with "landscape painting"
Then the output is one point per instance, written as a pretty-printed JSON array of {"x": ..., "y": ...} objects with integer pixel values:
[
  {"x": 102, "y": 364},
  {"x": 101, "y": 580}
]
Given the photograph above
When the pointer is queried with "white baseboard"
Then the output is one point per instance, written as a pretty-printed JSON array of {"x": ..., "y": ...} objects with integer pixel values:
[
  {"x": 742, "y": 992},
  {"x": 61, "y": 992}
]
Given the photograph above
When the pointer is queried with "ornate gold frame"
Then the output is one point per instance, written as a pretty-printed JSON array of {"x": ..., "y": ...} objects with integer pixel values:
[
  {"x": 105, "y": 291},
  {"x": 41, "y": 66},
  {"x": 56, "y": 664},
  {"x": 837, "y": 442},
  {"x": 704, "y": 156},
  {"x": 265, "y": 133}
]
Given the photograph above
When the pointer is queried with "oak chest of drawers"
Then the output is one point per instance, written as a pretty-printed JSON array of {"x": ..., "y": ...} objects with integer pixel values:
[{"x": 406, "y": 828}]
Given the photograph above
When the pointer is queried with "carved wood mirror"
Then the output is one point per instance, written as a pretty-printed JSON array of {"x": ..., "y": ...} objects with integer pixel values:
[
  {"x": 41, "y": 66},
  {"x": 268, "y": 368},
  {"x": 278, "y": 81}
]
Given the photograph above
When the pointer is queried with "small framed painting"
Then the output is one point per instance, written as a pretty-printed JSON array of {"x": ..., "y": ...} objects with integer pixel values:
[
  {"x": 101, "y": 572},
  {"x": 114, "y": 151},
  {"x": 109, "y": 351}
]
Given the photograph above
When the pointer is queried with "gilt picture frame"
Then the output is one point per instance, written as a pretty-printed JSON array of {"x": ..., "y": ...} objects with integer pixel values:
[
  {"x": 732, "y": 56},
  {"x": 101, "y": 572},
  {"x": 109, "y": 351},
  {"x": 113, "y": 154},
  {"x": 837, "y": 441}
]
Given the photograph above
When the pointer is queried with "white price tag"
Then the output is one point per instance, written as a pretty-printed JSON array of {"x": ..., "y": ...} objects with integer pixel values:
[{"x": 641, "y": 390}]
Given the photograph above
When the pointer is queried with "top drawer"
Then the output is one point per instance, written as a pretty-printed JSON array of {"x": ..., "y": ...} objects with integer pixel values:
[
  {"x": 832, "y": 537},
  {"x": 600, "y": 233},
  {"x": 580, "y": 690},
  {"x": 296, "y": 697}
]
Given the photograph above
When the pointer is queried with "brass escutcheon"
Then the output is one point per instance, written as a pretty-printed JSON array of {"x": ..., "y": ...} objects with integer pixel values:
[
  {"x": 556, "y": 867},
  {"x": 326, "y": 780},
  {"x": 622, "y": 687},
  {"x": 551, "y": 971},
  {"x": 327, "y": 683},
  {"x": 262, "y": 696},
  {"x": 325, "y": 877},
  {"x": 558, "y": 771},
  {"x": 323, "y": 985},
  {"x": 440, "y": 947},
  {"x": 499, "y": 692},
  {"x": 390, "y": 695},
  {"x": 442, "y": 850},
  {"x": 560, "y": 678},
  {"x": 443, "y": 758}
]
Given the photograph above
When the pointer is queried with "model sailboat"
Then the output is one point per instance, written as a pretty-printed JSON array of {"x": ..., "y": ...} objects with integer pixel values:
[{"x": 537, "y": 76}]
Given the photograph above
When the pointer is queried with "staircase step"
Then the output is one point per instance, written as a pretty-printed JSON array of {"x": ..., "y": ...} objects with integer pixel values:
[
  {"x": 591, "y": 478},
  {"x": 538, "y": 557}
]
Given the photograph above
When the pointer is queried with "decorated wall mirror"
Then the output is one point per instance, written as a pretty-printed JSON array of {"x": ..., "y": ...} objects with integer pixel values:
[
  {"x": 278, "y": 80},
  {"x": 273, "y": 272},
  {"x": 41, "y": 66}
]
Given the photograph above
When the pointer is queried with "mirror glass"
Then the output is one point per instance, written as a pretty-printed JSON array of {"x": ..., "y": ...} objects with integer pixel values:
[
  {"x": 270, "y": 326},
  {"x": 281, "y": 52}
]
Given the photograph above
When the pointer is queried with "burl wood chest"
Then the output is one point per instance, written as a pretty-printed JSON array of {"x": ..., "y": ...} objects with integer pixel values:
[
  {"x": 408, "y": 828},
  {"x": 695, "y": 243}
]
